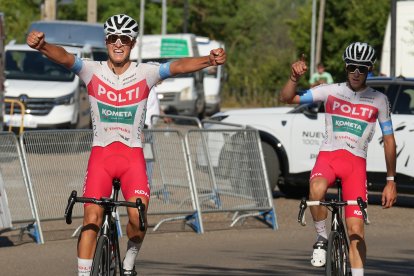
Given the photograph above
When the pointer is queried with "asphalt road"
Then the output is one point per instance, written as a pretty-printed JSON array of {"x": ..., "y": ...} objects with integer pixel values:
[{"x": 248, "y": 249}]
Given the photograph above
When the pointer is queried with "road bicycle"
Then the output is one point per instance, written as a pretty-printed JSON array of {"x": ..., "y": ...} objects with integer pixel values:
[
  {"x": 337, "y": 255},
  {"x": 107, "y": 258}
]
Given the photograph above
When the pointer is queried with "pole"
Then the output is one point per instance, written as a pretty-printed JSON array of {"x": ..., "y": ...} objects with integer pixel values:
[
  {"x": 313, "y": 32},
  {"x": 185, "y": 26},
  {"x": 164, "y": 17},
  {"x": 92, "y": 16},
  {"x": 141, "y": 29},
  {"x": 393, "y": 37},
  {"x": 320, "y": 31},
  {"x": 50, "y": 10}
]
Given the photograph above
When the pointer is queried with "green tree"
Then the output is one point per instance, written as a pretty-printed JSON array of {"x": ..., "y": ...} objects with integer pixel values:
[
  {"x": 345, "y": 22},
  {"x": 18, "y": 15}
]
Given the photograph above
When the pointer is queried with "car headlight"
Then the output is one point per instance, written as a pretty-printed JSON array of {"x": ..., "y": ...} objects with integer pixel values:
[
  {"x": 65, "y": 100},
  {"x": 185, "y": 94}
]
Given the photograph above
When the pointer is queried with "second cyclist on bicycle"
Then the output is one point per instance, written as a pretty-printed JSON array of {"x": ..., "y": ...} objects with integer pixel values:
[{"x": 351, "y": 111}]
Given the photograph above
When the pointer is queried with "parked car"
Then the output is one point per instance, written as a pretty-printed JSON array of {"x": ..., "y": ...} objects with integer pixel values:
[
  {"x": 183, "y": 94},
  {"x": 53, "y": 96},
  {"x": 74, "y": 33},
  {"x": 291, "y": 139}
]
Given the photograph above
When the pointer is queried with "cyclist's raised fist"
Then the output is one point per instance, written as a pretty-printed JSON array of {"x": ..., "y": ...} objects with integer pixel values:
[
  {"x": 299, "y": 68},
  {"x": 35, "y": 40},
  {"x": 217, "y": 56}
]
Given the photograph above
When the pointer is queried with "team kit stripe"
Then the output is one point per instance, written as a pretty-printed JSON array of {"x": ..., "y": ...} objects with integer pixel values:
[
  {"x": 361, "y": 112},
  {"x": 126, "y": 96}
]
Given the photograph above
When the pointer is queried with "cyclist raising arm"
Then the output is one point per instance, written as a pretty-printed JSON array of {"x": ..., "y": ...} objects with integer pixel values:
[
  {"x": 118, "y": 91},
  {"x": 352, "y": 109}
]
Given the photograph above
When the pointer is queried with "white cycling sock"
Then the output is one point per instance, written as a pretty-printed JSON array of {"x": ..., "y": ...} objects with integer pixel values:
[
  {"x": 84, "y": 267},
  {"x": 357, "y": 271},
  {"x": 320, "y": 227},
  {"x": 131, "y": 254}
]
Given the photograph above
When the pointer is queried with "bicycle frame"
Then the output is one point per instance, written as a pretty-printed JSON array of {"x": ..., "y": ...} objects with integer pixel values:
[
  {"x": 338, "y": 244},
  {"x": 108, "y": 233}
]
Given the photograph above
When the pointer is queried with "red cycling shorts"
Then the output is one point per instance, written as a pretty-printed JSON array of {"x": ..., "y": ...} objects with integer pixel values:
[
  {"x": 352, "y": 171},
  {"x": 116, "y": 161}
]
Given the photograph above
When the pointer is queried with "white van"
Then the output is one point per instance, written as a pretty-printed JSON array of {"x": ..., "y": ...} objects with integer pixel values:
[
  {"x": 184, "y": 93},
  {"x": 404, "y": 54},
  {"x": 53, "y": 96},
  {"x": 74, "y": 33},
  {"x": 213, "y": 75}
]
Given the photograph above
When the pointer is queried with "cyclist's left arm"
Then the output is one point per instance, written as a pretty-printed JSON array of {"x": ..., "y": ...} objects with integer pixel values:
[
  {"x": 188, "y": 65},
  {"x": 389, "y": 194}
]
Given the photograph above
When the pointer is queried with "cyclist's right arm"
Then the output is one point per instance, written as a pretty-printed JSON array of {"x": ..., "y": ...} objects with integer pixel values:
[
  {"x": 288, "y": 93},
  {"x": 55, "y": 53}
]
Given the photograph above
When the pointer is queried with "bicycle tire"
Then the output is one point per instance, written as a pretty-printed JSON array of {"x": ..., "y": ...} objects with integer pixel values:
[
  {"x": 336, "y": 256},
  {"x": 100, "y": 266},
  {"x": 345, "y": 247}
]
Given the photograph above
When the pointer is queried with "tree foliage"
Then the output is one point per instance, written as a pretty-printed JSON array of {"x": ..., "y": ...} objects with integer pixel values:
[
  {"x": 262, "y": 38},
  {"x": 345, "y": 22}
]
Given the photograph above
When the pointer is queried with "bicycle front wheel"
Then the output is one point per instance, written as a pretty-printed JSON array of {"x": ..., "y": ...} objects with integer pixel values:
[
  {"x": 101, "y": 259},
  {"x": 337, "y": 263}
]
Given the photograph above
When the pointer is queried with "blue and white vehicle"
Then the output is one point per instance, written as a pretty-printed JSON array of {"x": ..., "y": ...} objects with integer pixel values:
[{"x": 291, "y": 139}]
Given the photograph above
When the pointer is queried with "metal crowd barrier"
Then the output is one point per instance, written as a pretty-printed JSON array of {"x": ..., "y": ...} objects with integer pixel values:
[
  {"x": 20, "y": 206},
  {"x": 230, "y": 174},
  {"x": 191, "y": 171}
]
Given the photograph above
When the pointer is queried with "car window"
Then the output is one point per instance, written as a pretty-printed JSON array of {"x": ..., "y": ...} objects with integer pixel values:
[
  {"x": 33, "y": 65},
  {"x": 404, "y": 103}
]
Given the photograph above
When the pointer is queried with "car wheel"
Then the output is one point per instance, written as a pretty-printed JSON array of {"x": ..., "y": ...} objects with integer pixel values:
[{"x": 272, "y": 164}]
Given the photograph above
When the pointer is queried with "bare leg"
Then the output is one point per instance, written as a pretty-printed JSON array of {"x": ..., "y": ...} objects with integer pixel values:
[
  {"x": 318, "y": 188},
  {"x": 92, "y": 220},
  {"x": 357, "y": 247}
]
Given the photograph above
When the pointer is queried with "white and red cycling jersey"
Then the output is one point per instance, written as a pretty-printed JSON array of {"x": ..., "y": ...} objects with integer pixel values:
[
  {"x": 118, "y": 107},
  {"x": 350, "y": 119},
  {"x": 118, "y": 102}
]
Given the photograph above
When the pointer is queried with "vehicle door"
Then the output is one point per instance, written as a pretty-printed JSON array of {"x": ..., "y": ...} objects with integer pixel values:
[
  {"x": 402, "y": 108},
  {"x": 307, "y": 136}
]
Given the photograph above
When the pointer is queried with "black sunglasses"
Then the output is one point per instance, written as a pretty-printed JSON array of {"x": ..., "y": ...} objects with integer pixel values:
[
  {"x": 362, "y": 69},
  {"x": 112, "y": 39}
]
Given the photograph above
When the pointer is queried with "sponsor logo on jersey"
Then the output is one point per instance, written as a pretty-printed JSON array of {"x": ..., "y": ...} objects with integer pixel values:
[
  {"x": 341, "y": 124},
  {"x": 362, "y": 112},
  {"x": 115, "y": 114},
  {"x": 125, "y": 96},
  {"x": 141, "y": 192}
]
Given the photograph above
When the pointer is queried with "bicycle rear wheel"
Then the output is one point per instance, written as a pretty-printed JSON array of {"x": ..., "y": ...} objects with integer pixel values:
[
  {"x": 337, "y": 261},
  {"x": 101, "y": 259}
]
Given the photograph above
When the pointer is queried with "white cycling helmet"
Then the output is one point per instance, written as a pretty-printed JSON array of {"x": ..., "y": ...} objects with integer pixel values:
[
  {"x": 359, "y": 53},
  {"x": 121, "y": 24}
]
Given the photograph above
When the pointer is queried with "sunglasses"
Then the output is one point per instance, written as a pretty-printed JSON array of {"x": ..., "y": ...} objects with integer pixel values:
[
  {"x": 113, "y": 39},
  {"x": 362, "y": 69}
]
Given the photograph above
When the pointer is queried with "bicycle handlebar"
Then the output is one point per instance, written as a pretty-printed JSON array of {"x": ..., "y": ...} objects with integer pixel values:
[
  {"x": 104, "y": 202},
  {"x": 359, "y": 202}
]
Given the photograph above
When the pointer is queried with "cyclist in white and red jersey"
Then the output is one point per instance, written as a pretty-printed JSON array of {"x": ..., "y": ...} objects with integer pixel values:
[
  {"x": 118, "y": 91},
  {"x": 351, "y": 112}
]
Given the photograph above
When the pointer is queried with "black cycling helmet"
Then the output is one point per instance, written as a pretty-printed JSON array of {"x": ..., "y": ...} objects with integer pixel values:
[
  {"x": 359, "y": 53},
  {"x": 121, "y": 24}
]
